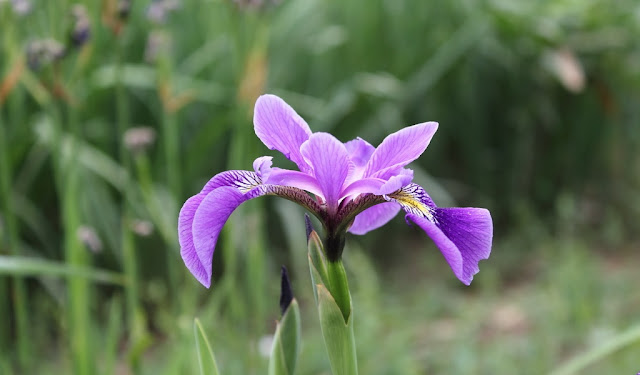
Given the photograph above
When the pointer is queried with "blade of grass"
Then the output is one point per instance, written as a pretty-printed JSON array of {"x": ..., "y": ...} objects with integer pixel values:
[
  {"x": 34, "y": 267},
  {"x": 114, "y": 327},
  {"x": 76, "y": 255},
  {"x": 582, "y": 361}
]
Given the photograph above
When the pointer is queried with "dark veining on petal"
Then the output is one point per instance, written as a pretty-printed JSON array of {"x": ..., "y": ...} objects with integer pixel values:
[
  {"x": 243, "y": 180},
  {"x": 414, "y": 200},
  {"x": 348, "y": 212},
  {"x": 296, "y": 195}
]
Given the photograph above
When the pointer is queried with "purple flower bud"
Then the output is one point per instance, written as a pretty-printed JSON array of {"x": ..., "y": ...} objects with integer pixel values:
[
  {"x": 159, "y": 10},
  {"x": 137, "y": 140},
  {"x": 89, "y": 237},
  {"x": 142, "y": 228},
  {"x": 124, "y": 8},
  {"x": 158, "y": 44},
  {"x": 81, "y": 30},
  {"x": 286, "y": 294}
]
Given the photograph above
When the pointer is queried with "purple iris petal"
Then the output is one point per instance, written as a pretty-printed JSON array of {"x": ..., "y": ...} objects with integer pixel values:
[
  {"x": 212, "y": 213},
  {"x": 262, "y": 166},
  {"x": 330, "y": 162},
  {"x": 463, "y": 235},
  {"x": 402, "y": 179},
  {"x": 374, "y": 217},
  {"x": 238, "y": 181},
  {"x": 185, "y": 237},
  {"x": 300, "y": 180},
  {"x": 280, "y": 128},
  {"x": 363, "y": 186},
  {"x": 400, "y": 149},
  {"x": 243, "y": 180},
  {"x": 360, "y": 151}
]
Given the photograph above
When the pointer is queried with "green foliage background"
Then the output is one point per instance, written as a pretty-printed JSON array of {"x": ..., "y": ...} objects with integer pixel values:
[{"x": 555, "y": 158}]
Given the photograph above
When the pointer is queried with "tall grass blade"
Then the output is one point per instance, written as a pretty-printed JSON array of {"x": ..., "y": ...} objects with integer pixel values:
[
  {"x": 206, "y": 359},
  {"x": 34, "y": 267},
  {"x": 577, "y": 365}
]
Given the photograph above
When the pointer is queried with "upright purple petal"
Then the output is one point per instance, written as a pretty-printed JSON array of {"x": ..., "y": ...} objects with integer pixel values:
[
  {"x": 399, "y": 149},
  {"x": 330, "y": 165},
  {"x": 374, "y": 217},
  {"x": 360, "y": 151},
  {"x": 463, "y": 235},
  {"x": 280, "y": 128},
  {"x": 210, "y": 216}
]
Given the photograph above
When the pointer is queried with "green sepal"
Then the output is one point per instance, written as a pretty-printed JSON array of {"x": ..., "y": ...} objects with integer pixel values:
[
  {"x": 206, "y": 359},
  {"x": 286, "y": 342}
]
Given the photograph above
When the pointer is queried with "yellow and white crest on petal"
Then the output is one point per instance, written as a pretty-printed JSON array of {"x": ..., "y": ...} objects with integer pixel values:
[{"x": 411, "y": 199}]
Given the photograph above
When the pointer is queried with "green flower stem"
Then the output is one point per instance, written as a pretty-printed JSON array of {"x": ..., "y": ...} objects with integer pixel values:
[
  {"x": 135, "y": 327},
  {"x": 339, "y": 287},
  {"x": 335, "y": 310}
]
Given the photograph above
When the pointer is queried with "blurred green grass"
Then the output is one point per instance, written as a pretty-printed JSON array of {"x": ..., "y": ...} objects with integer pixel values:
[{"x": 537, "y": 104}]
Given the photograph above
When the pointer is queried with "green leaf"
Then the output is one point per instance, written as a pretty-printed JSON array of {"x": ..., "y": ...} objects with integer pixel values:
[
  {"x": 206, "y": 359},
  {"x": 286, "y": 342},
  {"x": 30, "y": 266},
  {"x": 338, "y": 334}
]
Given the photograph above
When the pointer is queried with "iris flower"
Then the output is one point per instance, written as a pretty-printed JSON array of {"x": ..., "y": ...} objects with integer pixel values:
[{"x": 350, "y": 187}]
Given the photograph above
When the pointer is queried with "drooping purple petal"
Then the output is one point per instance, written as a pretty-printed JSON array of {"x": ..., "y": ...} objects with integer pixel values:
[
  {"x": 330, "y": 165},
  {"x": 463, "y": 235},
  {"x": 242, "y": 180},
  {"x": 399, "y": 149},
  {"x": 280, "y": 128},
  {"x": 210, "y": 216},
  {"x": 237, "y": 180},
  {"x": 374, "y": 217},
  {"x": 185, "y": 237}
]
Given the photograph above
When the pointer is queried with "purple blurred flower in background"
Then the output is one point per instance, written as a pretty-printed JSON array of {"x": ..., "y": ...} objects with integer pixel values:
[
  {"x": 357, "y": 188},
  {"x": 21, "y": 7},
  {"x": 159, "y": 10}
]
